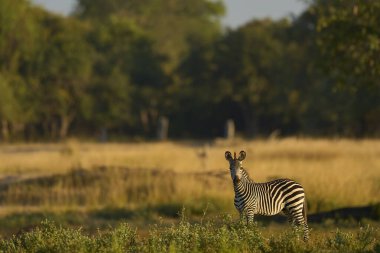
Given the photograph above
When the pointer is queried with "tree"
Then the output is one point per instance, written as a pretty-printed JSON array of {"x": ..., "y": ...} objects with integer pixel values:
[
  {"x": 169, "y": 23},
  {"x": 18, "y": 40},
  {"x": 9, "y": 107},
  {"x": 349, "y": 40},
  {"x": 254, "y": 72},
  {"x": 17, "y": 34},
  {"x": 348, "y": 37},
  {"x": 128, "y": 78},
  {"x": 62, "y": 68}
]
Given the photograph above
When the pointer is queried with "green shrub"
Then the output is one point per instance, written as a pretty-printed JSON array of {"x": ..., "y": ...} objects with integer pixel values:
[
  {"x": 223, "y": 235},
  {"x": 363, "y": 241},
  {"x": 49, "y": 237},
  {"x": 289, "y": 241}
]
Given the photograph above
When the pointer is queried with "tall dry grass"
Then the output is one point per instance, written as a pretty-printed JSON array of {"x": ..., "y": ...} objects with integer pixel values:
[{"x": 335, "y": 173}]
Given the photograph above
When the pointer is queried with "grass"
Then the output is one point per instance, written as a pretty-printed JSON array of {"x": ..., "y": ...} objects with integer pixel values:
[
  {"x": 95, "y": 186},
  {"x": 335, "y": 173},
  {"x": 227, "y": 236}
]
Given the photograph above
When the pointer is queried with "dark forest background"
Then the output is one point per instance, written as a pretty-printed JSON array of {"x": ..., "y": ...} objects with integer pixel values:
[{"x": 118, "y": 66}]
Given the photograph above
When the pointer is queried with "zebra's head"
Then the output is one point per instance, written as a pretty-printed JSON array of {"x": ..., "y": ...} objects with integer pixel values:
[{"x": 235, "y": 165}]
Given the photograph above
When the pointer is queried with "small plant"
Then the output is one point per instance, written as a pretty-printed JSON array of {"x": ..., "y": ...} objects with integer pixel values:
[
  {"x": 363, "y": 241},
  {"x": 48, "y": 237},
  {"x": 289, "y": 241}
]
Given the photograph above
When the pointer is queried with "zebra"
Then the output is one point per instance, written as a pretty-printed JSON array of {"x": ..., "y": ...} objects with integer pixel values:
[{"x": 268, "y": 198}]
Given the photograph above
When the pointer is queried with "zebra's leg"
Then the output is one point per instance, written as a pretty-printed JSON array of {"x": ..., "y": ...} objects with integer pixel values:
[
  {"x": 250, "y": 219},
  {"x": 250, "y": 216},
  {"x": 300, "y": 221},
  {"x": 288, "y": 216},
  {"x": 305, "y": 226},
  {"x": 305, "y": 231},
  {"x": 241, "y": 213}
]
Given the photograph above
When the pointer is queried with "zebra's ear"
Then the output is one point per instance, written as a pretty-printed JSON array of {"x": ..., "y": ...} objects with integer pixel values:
[
  {"x": 228, "y": 155},
  {"x": 242, "y": 155}
]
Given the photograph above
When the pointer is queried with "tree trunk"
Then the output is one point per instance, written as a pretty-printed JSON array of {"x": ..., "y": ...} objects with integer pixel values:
[
  {"x": 103, "y": 137},
  {"x": 18, "y": 129},
  {"x": 65, "y": 124},
  {"x": 5, "y": 130},
  {"x": 229, "y": 129},
  {"x": 162, "y": 128},
  {"x": 251, "y": 121},
  {"x": 144, "y": 117},
  {"x": 54, "y": 129}
]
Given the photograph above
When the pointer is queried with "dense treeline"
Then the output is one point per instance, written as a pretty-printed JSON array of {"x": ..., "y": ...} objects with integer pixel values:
[{"x": 118, "y": 66}]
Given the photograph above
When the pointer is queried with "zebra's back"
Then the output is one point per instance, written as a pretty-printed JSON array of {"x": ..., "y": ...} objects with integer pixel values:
[{"x": 272, "y": 197}]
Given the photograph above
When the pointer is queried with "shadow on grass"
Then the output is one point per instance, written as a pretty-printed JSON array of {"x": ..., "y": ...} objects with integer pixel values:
[
  {"x": 112, "y": 214},
  {"x": 21, "y": 222},
  {"x": 170, "y": 210},
  {"x": 355, "y": 214}
]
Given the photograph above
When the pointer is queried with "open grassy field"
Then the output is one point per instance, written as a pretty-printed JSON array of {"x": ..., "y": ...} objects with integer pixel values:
[
  {"x": 93, "y": 185},
  {"x": 335, "y": 173}
]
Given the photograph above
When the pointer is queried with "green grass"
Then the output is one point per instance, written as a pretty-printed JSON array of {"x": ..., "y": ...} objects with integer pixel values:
[{"x": 222, "y": 236}]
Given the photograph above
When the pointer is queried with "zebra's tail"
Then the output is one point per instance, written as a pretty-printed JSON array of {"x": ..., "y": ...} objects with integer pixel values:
[{"x": 304, "y": 210}]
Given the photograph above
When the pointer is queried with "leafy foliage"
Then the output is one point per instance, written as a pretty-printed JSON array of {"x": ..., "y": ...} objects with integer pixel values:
[{"x": 349, "y": 40}]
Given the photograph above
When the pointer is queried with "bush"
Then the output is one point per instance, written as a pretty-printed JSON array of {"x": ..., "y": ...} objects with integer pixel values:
[
  {"x": 363, "y": 241},
  {"x": 222, "y": 236},
  {"x": 49, "y": 237}
]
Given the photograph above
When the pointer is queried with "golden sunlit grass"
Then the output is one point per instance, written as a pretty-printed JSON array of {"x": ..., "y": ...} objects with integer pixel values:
[{"x": 335, "y": 173}]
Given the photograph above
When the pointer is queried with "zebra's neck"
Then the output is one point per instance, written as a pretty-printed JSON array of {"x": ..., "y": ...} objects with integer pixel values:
[
  {"x": 241, "y": 185},
  {"x": 246, "y": 175},
  {"x": 245, "y": 180}
]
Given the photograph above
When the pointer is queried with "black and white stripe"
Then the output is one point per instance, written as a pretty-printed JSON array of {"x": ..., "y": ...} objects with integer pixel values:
[{"x": 268, "y": 198}]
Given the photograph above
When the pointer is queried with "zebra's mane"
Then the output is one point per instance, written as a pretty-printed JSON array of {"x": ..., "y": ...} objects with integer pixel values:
[{"x": 246, "y": 175}]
